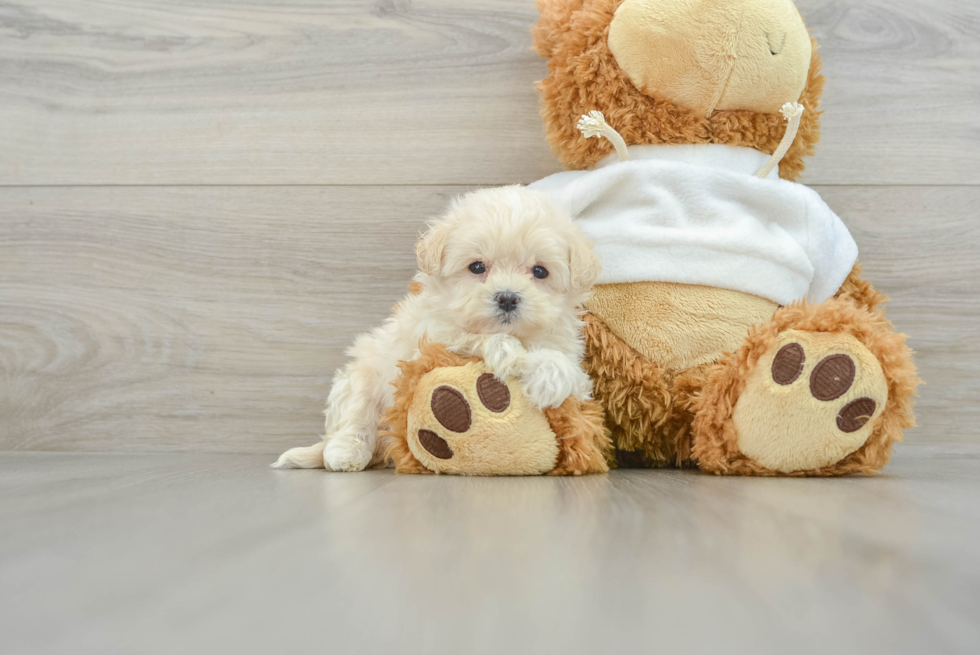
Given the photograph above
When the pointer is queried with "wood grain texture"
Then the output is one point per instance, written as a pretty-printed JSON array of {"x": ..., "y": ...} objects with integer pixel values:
[
  {"x": 211, "y": 319},
  {"x": 165, "y": 553},
  {"x": 423, "y": 92},
  {"x": 920, "y": 245},
  {"x": 207, "y": 318}
]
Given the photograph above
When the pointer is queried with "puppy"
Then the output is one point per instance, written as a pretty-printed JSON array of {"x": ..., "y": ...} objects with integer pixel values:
[{"x": 503, "y": 275}]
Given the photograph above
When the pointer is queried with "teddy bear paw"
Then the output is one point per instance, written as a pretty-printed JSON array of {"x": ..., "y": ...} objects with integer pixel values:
[
  {"x": 464, "y": 420},
  {"x": 811, "y": 401}
]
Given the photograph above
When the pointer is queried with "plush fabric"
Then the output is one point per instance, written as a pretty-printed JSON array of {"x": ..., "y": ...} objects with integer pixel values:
[
  {"x": 648, "y": 408},
  {"x": 452, "y": 416},
  {"x": 713, "y": 54},
  {"x": 583, "y": 76},
  {"x": 583, "y": 439},
  {"x": 663, "y": 220},
  {"x": 787, "y": 425},
  {"x": 514, "y": 441},
  {"x": 654, "y": 413},
  {"x": 715, "y": 431},
  {"x": 679, "y": 325},
  {"x": 692, "y": 87},
  {"x": 860, "y": 292}
]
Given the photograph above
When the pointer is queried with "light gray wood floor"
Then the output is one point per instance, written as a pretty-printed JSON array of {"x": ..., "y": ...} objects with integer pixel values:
[
  {"x": 203, "y": 201},
  {"x": 196, "y": 553}
]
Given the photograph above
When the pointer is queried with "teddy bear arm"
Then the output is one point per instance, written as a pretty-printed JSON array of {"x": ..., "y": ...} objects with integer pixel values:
[{"x": 859, "y": 291}]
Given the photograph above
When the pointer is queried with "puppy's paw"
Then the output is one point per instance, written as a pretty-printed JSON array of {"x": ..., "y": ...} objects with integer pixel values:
[
  {"x": 504, "y": 356},
  {"x": 550, "y": 376},
  {"x": 346, "y": 453}
]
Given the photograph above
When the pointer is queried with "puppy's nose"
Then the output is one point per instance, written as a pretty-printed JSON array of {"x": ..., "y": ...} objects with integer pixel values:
[{"x": 507, "y": 301}]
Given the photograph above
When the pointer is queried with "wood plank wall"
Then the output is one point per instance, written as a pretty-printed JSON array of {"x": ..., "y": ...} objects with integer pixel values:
[{"x": 201, "y": 202}]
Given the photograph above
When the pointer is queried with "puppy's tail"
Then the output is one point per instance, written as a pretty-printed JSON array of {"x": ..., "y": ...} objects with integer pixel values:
[{"x": 308, "y": 457}]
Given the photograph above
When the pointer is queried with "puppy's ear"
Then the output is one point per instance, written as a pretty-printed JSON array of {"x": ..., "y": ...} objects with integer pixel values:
[
  {"x": 431, "y": 247},
  {"x": 582, "y": 263}
]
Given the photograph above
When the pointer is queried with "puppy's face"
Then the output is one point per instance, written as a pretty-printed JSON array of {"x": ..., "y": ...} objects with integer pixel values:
[{"x": 507, "y": 260}]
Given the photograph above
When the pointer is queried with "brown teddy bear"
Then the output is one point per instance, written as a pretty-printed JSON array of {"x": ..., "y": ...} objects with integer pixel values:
[{"x": 731, "y": 328}]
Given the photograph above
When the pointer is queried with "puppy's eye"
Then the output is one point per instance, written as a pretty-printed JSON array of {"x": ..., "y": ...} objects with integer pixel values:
[
  {"x": 539, "y": 272},
  {"x": 478, "y": 268}
]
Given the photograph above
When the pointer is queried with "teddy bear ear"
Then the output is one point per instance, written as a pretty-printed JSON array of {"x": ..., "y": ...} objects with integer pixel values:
[{"x": 555, "y": 15}]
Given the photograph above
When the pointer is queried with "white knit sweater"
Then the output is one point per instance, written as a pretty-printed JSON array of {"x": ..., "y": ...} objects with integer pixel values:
[{"x": 696, "y": 214}]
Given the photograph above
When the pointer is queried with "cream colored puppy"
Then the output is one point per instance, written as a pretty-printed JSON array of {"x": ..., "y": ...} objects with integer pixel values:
[{"x": 503, "y": 275}]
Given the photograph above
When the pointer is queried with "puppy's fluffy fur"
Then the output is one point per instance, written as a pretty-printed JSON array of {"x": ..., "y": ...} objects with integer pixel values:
[{"x": 511, "y": 230}]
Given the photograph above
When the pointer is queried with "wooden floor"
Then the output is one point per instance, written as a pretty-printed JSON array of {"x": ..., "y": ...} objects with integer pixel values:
[
  {"x": 195, "y": 553},
  {"x": 203, "y": 201}
]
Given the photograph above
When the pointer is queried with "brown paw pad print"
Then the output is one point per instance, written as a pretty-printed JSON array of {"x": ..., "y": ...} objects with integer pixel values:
[
  {"x": 452, "y": 410},
  {"x": 855, "y": 414},
  {"x": 831, "y": 378}
]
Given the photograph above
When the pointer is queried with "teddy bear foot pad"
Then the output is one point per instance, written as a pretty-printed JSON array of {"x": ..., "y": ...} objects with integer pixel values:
[
  {"x": 466, "y": 421},
  {"x": 811, "y": 401}
]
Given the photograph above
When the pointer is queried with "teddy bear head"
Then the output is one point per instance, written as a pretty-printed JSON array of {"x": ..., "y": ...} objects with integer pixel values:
[{"x": 678, "y": 72}]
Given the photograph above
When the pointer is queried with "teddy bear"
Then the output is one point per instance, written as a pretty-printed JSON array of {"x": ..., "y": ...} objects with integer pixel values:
[
  {"x": 731, "y": 329},
  {"x": 451, "y": 415}
]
